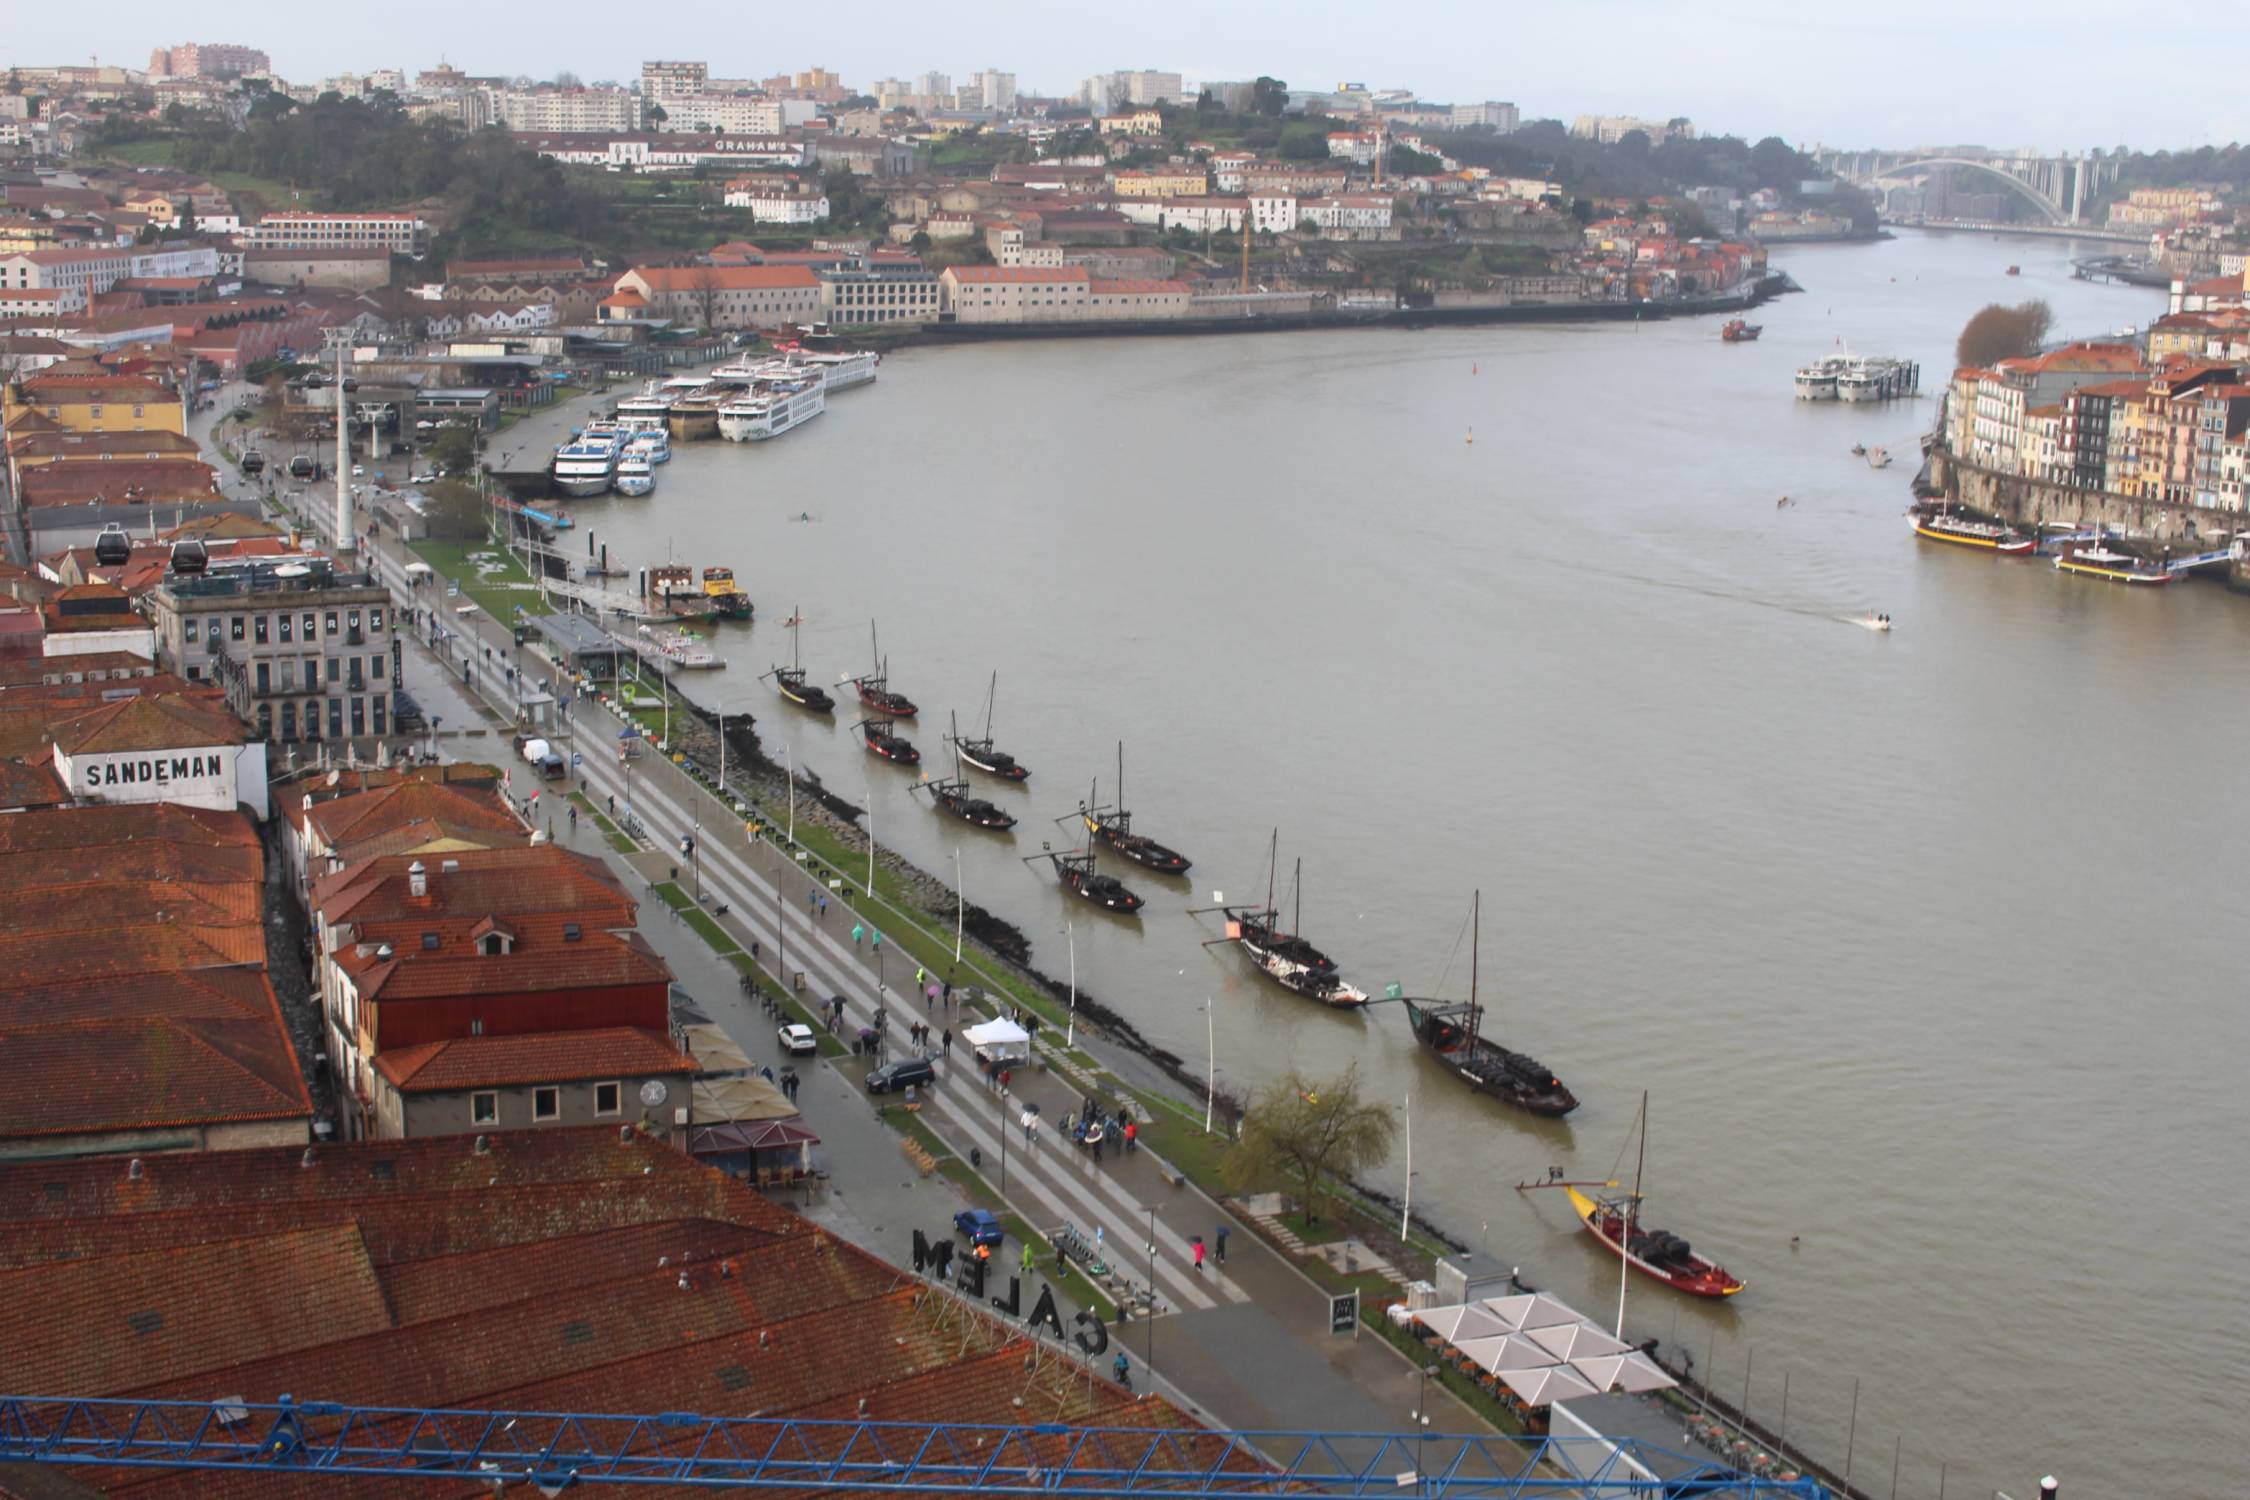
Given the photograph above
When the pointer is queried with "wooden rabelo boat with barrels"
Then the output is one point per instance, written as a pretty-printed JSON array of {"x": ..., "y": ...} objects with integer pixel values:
[
  {"x": 790, "y": 680},
  {"x": 880, "y": 739},
  {"x": 1614, "y": 1218},
  {"x": 1113, "y": 827},
  {"x": 951, "y": 795},
  {"x": 1454, "y": 1035},
  {"x": 1077, "y": 873},
  {"x": 983, "y": 754},
  {"x": 874, "y": 688},
  {"x": 1282, "y": 954}
]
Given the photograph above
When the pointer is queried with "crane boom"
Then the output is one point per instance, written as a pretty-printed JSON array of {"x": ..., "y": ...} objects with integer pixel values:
[{"x": 555, "y": 1450}]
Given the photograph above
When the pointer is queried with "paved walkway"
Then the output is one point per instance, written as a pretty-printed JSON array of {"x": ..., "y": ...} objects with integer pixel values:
[{"x": 1245, "y": 1344}]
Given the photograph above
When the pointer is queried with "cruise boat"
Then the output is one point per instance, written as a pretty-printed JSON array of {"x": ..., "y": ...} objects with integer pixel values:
[
  {"x": 1877, "y": 378},
  {"x": 655, "y": 442},
  {"x": 1963, "y": 532},
  {"x": 587, "y": 464},
  {"x": 679, "y": 648},
  {"x": 2110, "y": 565},
  {"x": 840, "y": 369},
  {"x": 636, "y": 475},
  {"x": 719, "y": 588},
  {"x": 1817, "y": 381},
  {"x": 771, "y": 407}
]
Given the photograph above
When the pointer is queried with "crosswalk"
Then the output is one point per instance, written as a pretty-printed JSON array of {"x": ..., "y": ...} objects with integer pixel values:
[{"x": 1050, "y": 1183}]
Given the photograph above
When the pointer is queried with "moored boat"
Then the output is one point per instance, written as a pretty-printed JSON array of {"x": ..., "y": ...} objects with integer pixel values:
[
  {"x": 982, "y": 753},
  {"x": 880, "y": 740},
  {"x": 874, "y": 687},
  {"x": 2110, "y": 565},
  {"x": 1077, "y": 873},
  {"x": 1113, "y": 826},
  {"x": 1962, "y": 531},
  {"x": 790, "y": 681},
  {"x": 952, "y": 795},
  {"x": 774, "y": 404},
  {"x": 1615, "y": 1219},
  {"x": 1283, "y": 954},
  {"x": 1737, "y": 331},
  {"x": 729, "y": 601},
  {"x": 1454, "y": 1035}
]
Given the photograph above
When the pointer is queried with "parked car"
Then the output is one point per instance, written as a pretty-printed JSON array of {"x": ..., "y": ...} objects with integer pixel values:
[
  {"x": 359, "y": 471},
  {"x": 905, "y": 1073},
  {"x": 981, "y": 1225},
  {"x": 796, "y": 1037}
]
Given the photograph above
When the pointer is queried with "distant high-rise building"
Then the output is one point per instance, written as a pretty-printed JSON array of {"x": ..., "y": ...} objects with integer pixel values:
[
  {"x": 207, "y": 60},
  {"x": 1232, "y": 97},
  {"x": 663, "y": 80},
  {"x": 1492, "y": 114},
  {"x": 1610, "y": 129},
  {"x": 1108, "y": 91},
  {"x": 549, "y": 110},
  {"x": 891, "y": 93},
  {"x": 996, "y": 90},
  {"x": 819, "y": 80},
  {"x": 934, "y": 86}
]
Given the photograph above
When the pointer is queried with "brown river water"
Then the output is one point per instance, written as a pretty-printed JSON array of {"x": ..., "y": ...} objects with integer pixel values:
[{"x": 1924, "y": 945}]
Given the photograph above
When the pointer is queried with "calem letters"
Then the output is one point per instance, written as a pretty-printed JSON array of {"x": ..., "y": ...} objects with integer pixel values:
[
  {"x": 934, "y": 1257},
  {"x": 162, "y": 770}
]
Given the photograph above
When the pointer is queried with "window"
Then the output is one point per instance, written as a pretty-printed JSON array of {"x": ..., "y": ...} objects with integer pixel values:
[
  {"x": 312, "y": 676},
  {"x": 335, "y": 668},
  {"x": 234, "y": 627},
  {"x": 285, "y": 622},
  {"x": 311, "y": 620},
  {"x": 375, "y": 619},
  {"x": 484, "y": 1109},
  {"x": 265, "y": 679},
  {"x": 288, "y": 720},
  {"x": 546, "y": 1104},
  {"x": 605, "y": 1098},
  {"x": 331, "y": 622},
  {"x": 189, "y": 629},
  {"x": 381, "y": 705},
  {"x": 258, "y": 629},
  {"x": 335, "y": 717}
]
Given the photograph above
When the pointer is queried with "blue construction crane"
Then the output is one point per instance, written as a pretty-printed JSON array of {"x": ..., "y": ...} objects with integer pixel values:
[{"x": 556, "y": 1450}]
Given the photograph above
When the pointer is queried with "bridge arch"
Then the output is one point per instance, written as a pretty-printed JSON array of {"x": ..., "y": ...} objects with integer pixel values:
[{"x": 2054, "y": 211}]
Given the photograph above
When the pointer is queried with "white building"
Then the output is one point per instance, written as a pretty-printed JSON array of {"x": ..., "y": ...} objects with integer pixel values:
[
  {"x": 552, "y": 109},
  {"x": 994, "y": 90},
  {"x": 780, "y": 205},
  {"x": 160, "y": 749},
  {"x": 662, "y": 81},
  {"x": 1610, "y": 129},
  {"x": 736, "y": 114},
  {"x": 402, "y": 234},
  {"x": 1492, "y": 114}
]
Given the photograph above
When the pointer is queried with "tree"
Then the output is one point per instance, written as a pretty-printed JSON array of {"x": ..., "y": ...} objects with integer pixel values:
[
  {"x": 1207, "y": 103},
  {"x": 1269, "y": 97},
  {"x": 2000, "y": 332},
  {"x": 654, "y": 114},
  {"x": 454, "y": 449},
  {"x": 455, "y": 510},
  {"x": 1308, "y": 1133},
  {"x": 1303, "y": 143},
  {"x": 704, "y": 285}
]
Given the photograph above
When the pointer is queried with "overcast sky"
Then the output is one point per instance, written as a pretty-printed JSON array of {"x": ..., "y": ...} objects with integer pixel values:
[{"x": 2060, "y": 74}]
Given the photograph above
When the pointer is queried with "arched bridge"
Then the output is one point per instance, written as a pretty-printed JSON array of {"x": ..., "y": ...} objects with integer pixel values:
[{"x": 2058, "y": 186}]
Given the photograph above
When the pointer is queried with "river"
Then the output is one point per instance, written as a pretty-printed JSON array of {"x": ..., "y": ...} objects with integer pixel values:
[{"x": 1923, "y": 945}]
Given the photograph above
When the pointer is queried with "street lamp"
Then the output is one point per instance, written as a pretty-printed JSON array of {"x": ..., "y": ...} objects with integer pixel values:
[
  {"x": 1148, "y": 1357},
  {"x": 1422, "y": 1426}
]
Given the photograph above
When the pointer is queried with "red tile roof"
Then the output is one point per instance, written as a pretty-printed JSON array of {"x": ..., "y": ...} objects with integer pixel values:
[
  {"x": 543, "y": 1057},
  {"x": 476, "y": 883},
  {"x": 695, "y": 279},
  {"x": 148, "y": 722},
  {"x": 554, "y": 1269}
]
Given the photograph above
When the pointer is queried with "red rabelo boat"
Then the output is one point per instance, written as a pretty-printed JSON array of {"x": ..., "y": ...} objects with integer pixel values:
[{"x": 1615, "y": 1219}]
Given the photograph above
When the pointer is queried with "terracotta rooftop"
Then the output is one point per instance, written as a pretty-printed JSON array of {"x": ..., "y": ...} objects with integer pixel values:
[
  {"x": 541, "y": 1057},
  {"x": 148, "y": 722},
  {"x": 414, "y": 816},
  {"x": 695, "y": 279},
  {"x": 480, "y": 883},
  {"x": 554, "y": 1270}
]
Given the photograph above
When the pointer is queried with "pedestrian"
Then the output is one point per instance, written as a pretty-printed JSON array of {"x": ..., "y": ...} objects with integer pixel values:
[
  {"x": 1132, "y": 1144},
  {"x": 574, "y": 817},
  {"x": 949, "y": 994},
  {"x": 753, "y": 950},
  {"x": 1196, "y": 1246},
  {"x": 858, "y": 932},
  {"x": 920, "y": 974},
  {"x": 812, "y": 899},
  {"x": 948, "y": 1042},
  {"x": 1028, "y": 1119},
  {"x": 824, "y": 908},
  {"x": 1220, "y": 1237},
  {"x": 1028, "y": 1258},
  {"x": 613, "y": 805},
  {"x": 877, "y": 943},
  {"x": 1005, "y": 1075}
]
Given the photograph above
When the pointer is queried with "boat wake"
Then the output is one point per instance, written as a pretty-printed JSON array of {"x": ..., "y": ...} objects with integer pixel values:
[{"x": 1731, "y": 596}]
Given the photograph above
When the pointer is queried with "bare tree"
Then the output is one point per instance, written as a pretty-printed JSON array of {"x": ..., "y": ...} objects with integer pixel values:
[
  {"x": 1308, "y": 1133},
  {"x": 705, "y": 286}
]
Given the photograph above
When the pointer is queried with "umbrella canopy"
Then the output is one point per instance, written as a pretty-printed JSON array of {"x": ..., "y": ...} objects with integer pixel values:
[
  {"x": 1575, "y": 1341},
  {"x": 714, "y": 1049},
  {"x": 997, "y": 1033},
  {"x": 1465, "y": 1321},
  {"x": 1546, "y": 1386},
  {"x": 1643, "y": 1374},
  {"x": 1514, "y": 1352},
  {"x": 1546, "y": 1312},
  {"x": 746, "y": 1097}
]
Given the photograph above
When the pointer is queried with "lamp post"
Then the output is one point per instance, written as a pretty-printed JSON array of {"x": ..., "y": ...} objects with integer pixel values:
[
  {"x": 1422, "y": 1426},
  {"x": 1148, "y": 1356},
  {"x": 1211, "y": 1063},
  {"x": 1406, "y": 1209}
]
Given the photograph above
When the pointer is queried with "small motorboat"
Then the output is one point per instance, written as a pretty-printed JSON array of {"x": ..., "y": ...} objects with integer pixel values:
[
  {"x": 1878, "y": 623},
  {"x": 1736, "y": 331},
  {"x": 877, "y": 736},
  {"x": 952, "y": 796}
]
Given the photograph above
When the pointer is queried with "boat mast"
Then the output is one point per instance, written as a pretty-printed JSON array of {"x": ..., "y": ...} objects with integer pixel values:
[
  {"x": 1476, "y": 930},
  {"x": 991, "y": 694},
  {"x": 1625, "y": 1223},
  {"x": 1297, "y": 898},
  {"x": 1273, "y": 862}
]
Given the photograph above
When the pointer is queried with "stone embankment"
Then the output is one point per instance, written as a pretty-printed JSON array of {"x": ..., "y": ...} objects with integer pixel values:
[{"x": 2160, "y": 528}]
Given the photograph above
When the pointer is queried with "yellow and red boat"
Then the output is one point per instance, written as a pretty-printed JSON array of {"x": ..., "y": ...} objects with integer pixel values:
[
  {"x": 1616, "y": 1222},
  {"x": 2110, "y": 565},
  {"x": 1963, "y": 532}
]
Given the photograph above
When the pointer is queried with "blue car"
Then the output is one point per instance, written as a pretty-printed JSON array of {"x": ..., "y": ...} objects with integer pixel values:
[{"x": 980, "y": 1225}]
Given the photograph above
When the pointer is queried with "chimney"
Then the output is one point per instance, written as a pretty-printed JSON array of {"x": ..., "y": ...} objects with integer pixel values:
[
  {"x": 2048, "y": 1488},
  {"x": 417, "y": 881}
]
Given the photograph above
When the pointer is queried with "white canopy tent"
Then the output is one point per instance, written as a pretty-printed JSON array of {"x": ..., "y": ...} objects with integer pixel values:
[{"x": 999, "y": 1040}]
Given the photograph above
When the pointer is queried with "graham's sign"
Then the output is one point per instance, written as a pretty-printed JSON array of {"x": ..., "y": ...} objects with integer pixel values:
[{"x": 156, "y": 770}]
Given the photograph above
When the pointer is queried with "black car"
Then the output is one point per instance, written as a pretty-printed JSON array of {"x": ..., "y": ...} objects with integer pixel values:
[
  {"x": 406, "y": 714},
  {"x": 906, "y": 1072}
]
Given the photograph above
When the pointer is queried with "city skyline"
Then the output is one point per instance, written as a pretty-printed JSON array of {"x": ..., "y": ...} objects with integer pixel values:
[{"x": 1915, "y": 73}]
